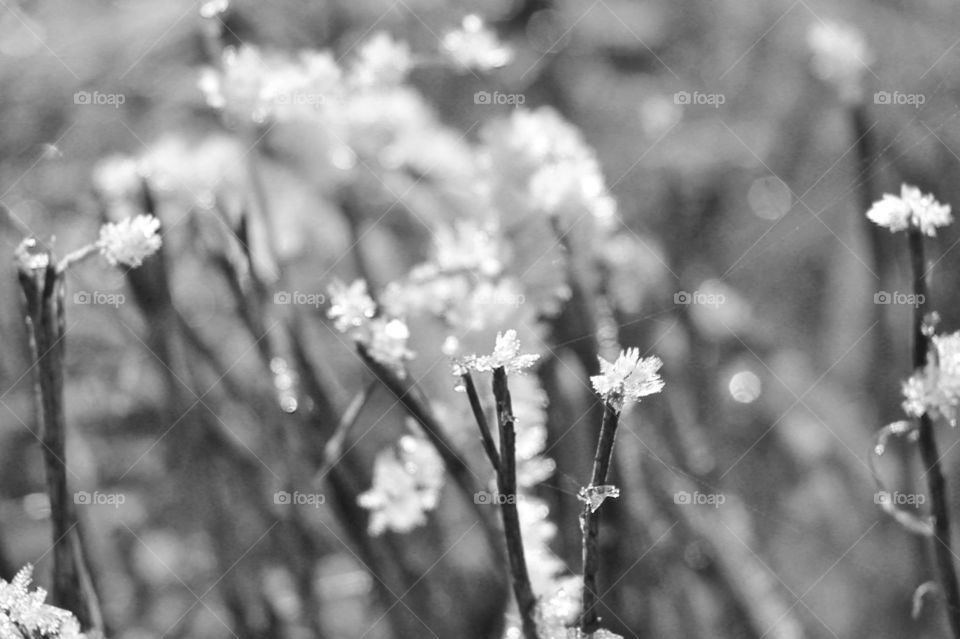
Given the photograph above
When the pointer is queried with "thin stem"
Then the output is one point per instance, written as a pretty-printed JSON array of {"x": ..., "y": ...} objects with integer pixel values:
[
  {"x": 332, "y": 450},
  {"x": 507, "y": 487},
  {"x": 488, "y": 444},
  {"x": 943, "y": 555},
  {"x": 77, "y": 256},
  {"x": 42, "y": 286},
  {"x": 590, "y": 521},
  {"x": 418, "y": 407}
]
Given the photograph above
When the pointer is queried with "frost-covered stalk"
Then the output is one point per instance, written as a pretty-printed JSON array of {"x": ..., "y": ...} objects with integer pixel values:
[
  {"x": 506, "y": 358},
  {"x": 932, "y": 389},
  {"x": 629, "y": 378},
  {"x": 590, "y": 520},
  {"x": 929, "y": 453},
  {"x": 489, "y": 446},
  {"x": 41, "y": 281},
  {"x": 507, "y": 488}
]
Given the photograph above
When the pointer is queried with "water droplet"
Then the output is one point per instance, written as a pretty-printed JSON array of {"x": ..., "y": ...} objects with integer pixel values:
[
  {"x": 288, "y": 404},
  {"x": 930, "y": 322},
  {"x": 745, "y": 387}
]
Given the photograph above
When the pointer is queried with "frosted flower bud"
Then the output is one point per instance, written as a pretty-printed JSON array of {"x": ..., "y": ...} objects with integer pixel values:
[
  {"x": 352, "y": 306},
  {"x": 130, "y": 241},
  {"x": 936, "y": 388},
  {"x": 382, "y": 60},
  {"x": 506, "y": 355},
  {"x": 630, "y": 377},
  {"x": 911, "y": 207},
  {"x": 474, "y": 46}
]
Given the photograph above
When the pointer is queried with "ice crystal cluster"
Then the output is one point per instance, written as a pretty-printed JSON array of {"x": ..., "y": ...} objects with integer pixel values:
[
  {"x": 356, "y": 314},
  {"x": 406, "y": 486},
  {"x": 935, "y": 389},
  {"x": 911, "y": 208},
  {"x": 24, "y": 615},
  {"x": 628, "y": 378},
  {"x": 130, "y": 241}
]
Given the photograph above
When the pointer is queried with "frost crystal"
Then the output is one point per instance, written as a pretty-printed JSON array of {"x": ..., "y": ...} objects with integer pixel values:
[
  {"x": 382, "y": 61},
  {"x": 23, "y": 613},
  {"x": 406, "y": 485},
  {"x": 355, "y": 313},
  {"x": 130, "y": 241},
  {"x": 936, "y": 389},
  {"x": 506, "y": 355},
  {"x": 912, "y": 207},
  {"x": 474, "y": 46},
  {"x": 352, "y": 305},
  {"x": 595, "y": 495},
  {"x": 630, "y": 377}
]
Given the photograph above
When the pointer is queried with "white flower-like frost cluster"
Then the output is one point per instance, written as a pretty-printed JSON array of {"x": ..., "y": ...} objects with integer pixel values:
[
  {"x": 936, "y": 389},
  {"x": 630, "y": 377},
  {"x": 911, "y": 208},
  {"x": 130, "y": 241}
]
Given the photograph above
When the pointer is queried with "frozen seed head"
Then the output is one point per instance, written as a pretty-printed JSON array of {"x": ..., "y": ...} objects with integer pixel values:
[
  {"x": 352, "y": 305},
  {"x": 506, "y": 355},
  {"x": 628, "y": 378},
  {"x": 911, "y": 208},
  {"x": 936, "y": 388},
  {"x": 474, "y": 46},
  {"x": 130, "y": 241}
]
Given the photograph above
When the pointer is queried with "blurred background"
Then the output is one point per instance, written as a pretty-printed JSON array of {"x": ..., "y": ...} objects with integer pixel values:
[{"x": 741, "y": 171}]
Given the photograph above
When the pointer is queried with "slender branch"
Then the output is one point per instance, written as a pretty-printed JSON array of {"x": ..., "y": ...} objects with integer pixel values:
[
  {"x": 332, "y": 450},
  {"x": 507, "y": 487},
  {"x": 943, "y": 555},
  {"x": 485, "y": 435},
  {"x": 590, "y": 521},
  {"x": 406, "y": 393},
  {"x": 42, "y": 286}
]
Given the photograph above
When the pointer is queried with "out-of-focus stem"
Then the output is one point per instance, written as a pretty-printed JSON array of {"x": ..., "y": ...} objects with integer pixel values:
[
  {"x": 416, "y": 405},
  {"x": 42, "y": 285},
  {"x": 507, "y": 487},
  {"x": 485, "y": 435},
  {"x": 943, "y": 555},
  {"x": 590, "y": 520}
]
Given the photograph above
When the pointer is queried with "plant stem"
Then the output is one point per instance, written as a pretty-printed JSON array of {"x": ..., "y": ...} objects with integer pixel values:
[
  {"x": 590, "y": 521},
  {"x": 488, "y": 444},
  {"x": 943, "y": 555},
  {"x": 417, "y": 407},
  {"x": 507, "y": 487},
  {"x": 42, "y": 286}
]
